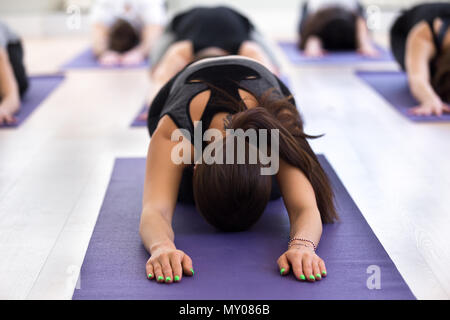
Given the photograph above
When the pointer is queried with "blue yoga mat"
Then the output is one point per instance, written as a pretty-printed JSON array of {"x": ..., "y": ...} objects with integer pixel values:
[
  {"x": 39, "y": 89},
  {"x": 296, "y": 56},
  {"x": 230, "y": 266},
  {"x": 393, "y": 87},
  {"x": 87, "y": 60}
]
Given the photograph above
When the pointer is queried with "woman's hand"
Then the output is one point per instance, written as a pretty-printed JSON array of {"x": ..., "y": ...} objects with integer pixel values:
[
  {"x": 313, "y": 48},
  {"x": 132, "y": 58},
  {"x": 305, "y": 264},
  {"x": 433, "y": 107},
  {"x": 368, "y": 50},
  {"x": 167, "y": 265},
  {"x": 109, "y": 59},
  {"x": 6, "y": 117}
]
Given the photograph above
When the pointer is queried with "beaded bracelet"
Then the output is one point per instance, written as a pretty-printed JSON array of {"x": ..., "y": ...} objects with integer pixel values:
[
  {"x": 300, "y": 245},
  {"x": 301, "y": 239}
]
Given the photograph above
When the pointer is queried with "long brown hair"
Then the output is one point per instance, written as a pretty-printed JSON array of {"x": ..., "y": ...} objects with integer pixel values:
[
  {"x": 441, "y": 78},
  {"x": 233, "y": 197},
  {"x": 335, "y": 26}
]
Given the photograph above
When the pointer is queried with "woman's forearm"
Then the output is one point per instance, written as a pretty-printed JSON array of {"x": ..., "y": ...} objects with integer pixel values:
[
  {"x": 362, "y": 33},
  {"x": 422, "y": 90},
  {"x": 156, "y": 231},
  {"x": 306, "y": 224},
  {"x": 99, "y": 39},
  {"x": 150, "y": 35}
]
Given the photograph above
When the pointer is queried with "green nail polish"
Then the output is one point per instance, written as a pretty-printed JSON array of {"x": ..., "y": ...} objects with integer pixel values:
[
  {"x": 324, "y": 273},
  {"x": 318, "y": 276},
  {"x": 302, "y": 277},
  {"x": 176, "y": 278},
  {"x": 150, "y": 276},
  {"x": 192, "y": 270},
  {"x": 282, "y": 271},
  {"x": 160, "y": 278},
  {"x": 168, "y": 279},
  {"x": 312, "y": 277}
]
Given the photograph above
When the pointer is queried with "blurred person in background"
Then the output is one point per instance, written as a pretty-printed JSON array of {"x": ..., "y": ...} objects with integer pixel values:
[
  {"x": 420, "y": 42},
  {"x": 13, "y": 78},
  {"x": 334, "y": 25},
  {"x": 124, "y": 31},
  {"x": 204, "y": 32}
]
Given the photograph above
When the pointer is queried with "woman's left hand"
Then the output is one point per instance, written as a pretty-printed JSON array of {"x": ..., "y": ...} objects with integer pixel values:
[
  {"x": 368, "y": 50},
  {"x": 304, "y": 262}
]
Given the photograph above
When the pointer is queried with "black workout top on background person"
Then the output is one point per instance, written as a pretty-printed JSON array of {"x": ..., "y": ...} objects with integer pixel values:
[
  {"x": 224, "y": 77},
  {"x": 410, "y": 18},
  {"x": 10, "y": 41},
  {"x": 206, "y": 27}
]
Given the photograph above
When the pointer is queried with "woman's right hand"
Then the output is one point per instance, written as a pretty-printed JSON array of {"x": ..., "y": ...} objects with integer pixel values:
[
  {"x": 167, "y": 265},
  {"x": 6, "y": 117},
  {"x": 432, "y": 107},
  {"x": 109, "y": 59}
]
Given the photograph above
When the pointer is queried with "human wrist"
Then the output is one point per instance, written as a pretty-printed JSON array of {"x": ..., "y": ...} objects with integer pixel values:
[
  {"x": 302, "y": 242},
  {"x": 162, "y": 245}
]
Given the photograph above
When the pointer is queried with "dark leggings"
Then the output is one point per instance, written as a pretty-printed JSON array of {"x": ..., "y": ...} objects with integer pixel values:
[{"x": 15, "y": 54}]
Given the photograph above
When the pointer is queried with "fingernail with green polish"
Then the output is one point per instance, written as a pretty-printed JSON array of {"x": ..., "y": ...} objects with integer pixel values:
[
  {"x": 160, "y": 278},
  {"x": 282, "y": 271},
  {"x": 318, "y": 276},
  {"x": 176, "y": 278},
  {"x": 324, "y": 273},
  {"x": 192, "y": 270},
  {"x": 150, "y": 276},
  {"x": 312, "y": 277},
  {"x": 168, "y": 279},
  {"x": 302, "y": 277}
]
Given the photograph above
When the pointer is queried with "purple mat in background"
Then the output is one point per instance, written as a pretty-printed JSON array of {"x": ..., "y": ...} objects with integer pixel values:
[
  {"x": 295, "y": 56},
  {"x": 143, "y": 123},
  {"x": 393, "y": 86},
  {"x": 87, "y": 60},
  {"x": 40, "y": 88},
  {"x": 236, "y": 266}
]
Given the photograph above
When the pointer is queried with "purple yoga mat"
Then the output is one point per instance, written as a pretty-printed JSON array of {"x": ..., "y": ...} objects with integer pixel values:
[
  {"x": 230, "y": 266},
  {"x": 393, "y": 86},
  {"x": 296, "y": 57},
  {"x": 143, "y": 123},
  {"x": 87, "y": 60},
  {"x": 39, "y": 89}
]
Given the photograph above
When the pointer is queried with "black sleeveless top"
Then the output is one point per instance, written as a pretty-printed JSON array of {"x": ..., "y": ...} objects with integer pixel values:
[
  {"x": 409, "y": 18},
  {"x": 206, "y": 27},
  {"x": 227, "y": 74}
]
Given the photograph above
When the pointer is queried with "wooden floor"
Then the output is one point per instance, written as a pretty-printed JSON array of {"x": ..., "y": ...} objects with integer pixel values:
[{"x": 55, "y": 168}]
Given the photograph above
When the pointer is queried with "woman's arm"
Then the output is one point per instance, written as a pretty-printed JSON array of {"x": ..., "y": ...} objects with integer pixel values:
[
  {"x": 420, "y": 50},
  {"x": 251, "y": 49},
  {"x": 363, "y": 39},
  {"x": 313, "y": 47},
  {"x": 9, "y": 91},
  {"x": 178, "y": 56},
  {"x": 300, "y": 201},
  {"x": 150, "y": 35},
  {"x": 162, "y": 181}
]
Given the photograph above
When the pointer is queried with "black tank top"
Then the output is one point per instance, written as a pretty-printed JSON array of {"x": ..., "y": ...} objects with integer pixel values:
[
  {"x": 206, "y": 27},
  {"x": 409, "y": 18},
  {"x": 223, "y": 74}
]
